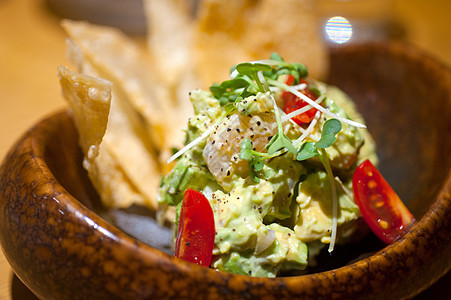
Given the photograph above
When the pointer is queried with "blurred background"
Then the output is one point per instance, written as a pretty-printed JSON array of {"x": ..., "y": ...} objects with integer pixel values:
[{"x": 32, "y": 45}]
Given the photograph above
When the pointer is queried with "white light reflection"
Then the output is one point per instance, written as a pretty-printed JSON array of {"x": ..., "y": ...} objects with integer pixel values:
[
  {"x": 338, "y": 30},
  {"x": 96, "y": 226}
]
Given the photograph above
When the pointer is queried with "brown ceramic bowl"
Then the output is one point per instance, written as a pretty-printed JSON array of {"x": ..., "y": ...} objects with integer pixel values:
[{"x": 59, "y": 246}]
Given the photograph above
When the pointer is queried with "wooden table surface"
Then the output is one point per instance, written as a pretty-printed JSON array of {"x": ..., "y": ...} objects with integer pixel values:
[{"x": 32, "y": 46}]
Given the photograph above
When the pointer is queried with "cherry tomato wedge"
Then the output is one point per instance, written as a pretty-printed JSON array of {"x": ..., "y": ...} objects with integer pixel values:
[
  {"x": 196, "y": 229},
  {"x": 292, "y": 103},
  {"x": 381, "y": 208}
]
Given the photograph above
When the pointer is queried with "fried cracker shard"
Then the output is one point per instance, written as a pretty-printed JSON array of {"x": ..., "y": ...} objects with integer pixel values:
[
  {"x": 126, "y": 170},
  {"x": 89, "y": 98}
]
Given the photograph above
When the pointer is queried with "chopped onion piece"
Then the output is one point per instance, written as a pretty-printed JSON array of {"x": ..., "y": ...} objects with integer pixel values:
[{"x": 264, "y": 241}]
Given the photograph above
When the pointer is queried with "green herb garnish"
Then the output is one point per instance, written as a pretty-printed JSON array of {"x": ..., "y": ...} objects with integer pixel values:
[
  {"x": 251, "y": 70},
  {"x": 248, "y": 83},
  {"x": 255, "y": 159},
  {"x": 328, "y": 137}
]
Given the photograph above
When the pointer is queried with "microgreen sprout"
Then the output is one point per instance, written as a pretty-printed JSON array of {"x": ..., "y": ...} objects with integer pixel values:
[
  {"x": 255, "y": 158},
  {"x": 245, "y": 81},
  {"x": 251, "y": 70},
  {"x": 310, "y": 149}
]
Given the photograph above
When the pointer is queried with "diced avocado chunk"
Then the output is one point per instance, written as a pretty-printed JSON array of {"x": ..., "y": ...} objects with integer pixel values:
[
  {"x": 204, "y": 103},
  {"x": 283, "y": 173},
  {"x": 239, "y": 214},
  {"x": 343, "y": 153},
  {"x": 296, "y": 257},
  {"x": 315, "y": 202},
  {"x": 254, "y": 104},
  {"x": 245, "y": 264},
  {"x": 285, "y": 252},
  {"x": 186, "y": 173}
]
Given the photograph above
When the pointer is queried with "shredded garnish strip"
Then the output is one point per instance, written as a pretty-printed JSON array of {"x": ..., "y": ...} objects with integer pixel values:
[
  {"x": 333, "y": 235},
  {"x": 192, "y": 143},
  {"x": 319, "y": 107},
  {"x": 301, "y": 86},
  {"x": 308, "y": 131},
  {"x": 302, "y": 109}
]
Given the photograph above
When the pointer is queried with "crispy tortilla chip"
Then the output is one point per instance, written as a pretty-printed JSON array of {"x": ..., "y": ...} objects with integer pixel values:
[
  {"x": 290, "y": 28},
  {"x": 115, "y": 57},
  {"x": 105, "y": 135},
  {"x": 108, "y": 53},
  {"x": 229, "y": 32},
  {"x": 170, "y": 31},
  {"x": 126, "y": 171},
  {"x": 219, "y": 33},
  {"x": 113, "y": 185},
  {"x": 170, "y": 26},
  {"x": 89, "y": 99}
]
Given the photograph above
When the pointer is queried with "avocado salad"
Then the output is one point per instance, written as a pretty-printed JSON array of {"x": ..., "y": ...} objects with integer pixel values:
[{"x": 273, "y": 151}]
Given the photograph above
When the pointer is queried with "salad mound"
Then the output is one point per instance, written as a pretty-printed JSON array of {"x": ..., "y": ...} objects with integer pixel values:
[{"x": 273, "y": 151}]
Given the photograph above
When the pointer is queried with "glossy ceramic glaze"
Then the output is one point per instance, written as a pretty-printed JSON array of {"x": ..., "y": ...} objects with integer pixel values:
[{"x": 56, "y": 242}]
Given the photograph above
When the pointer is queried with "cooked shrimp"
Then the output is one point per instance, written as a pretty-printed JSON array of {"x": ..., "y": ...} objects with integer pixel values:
[{"x": 223, "y": 146}]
